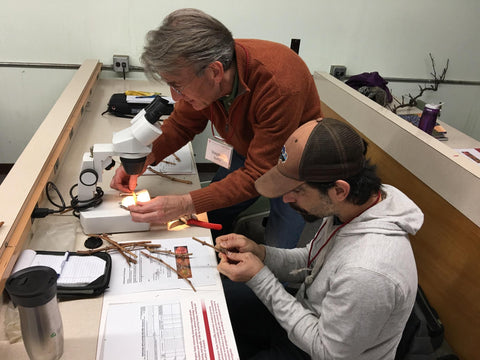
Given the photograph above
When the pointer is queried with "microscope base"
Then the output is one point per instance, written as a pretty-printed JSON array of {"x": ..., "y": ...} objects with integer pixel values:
[{"x": 109, "y": 218}]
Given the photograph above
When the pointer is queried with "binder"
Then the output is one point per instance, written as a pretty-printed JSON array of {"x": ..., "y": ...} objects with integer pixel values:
[{"x": 79, "y": 275}]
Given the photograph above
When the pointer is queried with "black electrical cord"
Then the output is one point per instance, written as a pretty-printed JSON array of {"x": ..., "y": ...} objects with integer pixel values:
[
  {"x": 75, "y": 205},
  {"x": 79, "y": 205},
  {"x": 51, "y": 186}
]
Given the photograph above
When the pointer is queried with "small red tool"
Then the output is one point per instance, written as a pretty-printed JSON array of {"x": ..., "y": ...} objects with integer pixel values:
[
  {"x": 204, "y": 224},
  {"x": 194, "y": 222}
]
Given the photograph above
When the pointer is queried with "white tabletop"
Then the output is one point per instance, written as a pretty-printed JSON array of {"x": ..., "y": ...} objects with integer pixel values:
[{"x": 84, "y": 320}]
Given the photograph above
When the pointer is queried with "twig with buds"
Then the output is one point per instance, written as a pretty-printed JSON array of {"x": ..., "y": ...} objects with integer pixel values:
[
  {"x": 168, "y": 176},
  {"x": 121, "y": 249},
  {"x": 129, "y": 245},
  {"x": 170, "y": 267},
  {"x": 125, "y": 250},
  {"x": 167, "y": 252},
  {"x": 168, "y": 162},
  {"x": 217, "y": 249}
]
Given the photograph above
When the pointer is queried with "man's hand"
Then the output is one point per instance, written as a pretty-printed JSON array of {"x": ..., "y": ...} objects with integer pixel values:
[
  {"x": 239, "y": 266},
  {"x": 122, "y": 181},
  {"x": 244, "y": 258},
  {"x": 162, "y": 209},
  {"x": 127, "y": 183},
  {"x": 239, "y": 243}
]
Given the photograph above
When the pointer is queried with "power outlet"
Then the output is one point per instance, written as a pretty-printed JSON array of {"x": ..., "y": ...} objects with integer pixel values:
[
  {"x": 339, "y": 71},
  {"x": 120, "y": 63},
  {"x": 295, "y": 45}
]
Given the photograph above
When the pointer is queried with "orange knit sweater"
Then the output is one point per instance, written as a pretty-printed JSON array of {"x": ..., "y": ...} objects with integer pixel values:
[{"x": 276, "y": 95}]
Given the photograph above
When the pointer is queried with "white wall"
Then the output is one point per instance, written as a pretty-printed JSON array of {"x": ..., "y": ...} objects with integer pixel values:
[{"x": 391, "y": 37}]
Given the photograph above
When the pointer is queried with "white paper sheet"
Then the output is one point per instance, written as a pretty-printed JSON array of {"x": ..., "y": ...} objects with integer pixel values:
[
  {"x": 149, "y": 274},
  {"x": 193, "y": 326},
  {"x": 72, "y": 270},
  {"x": 144, "y": 331},
  {"x": 81, "y": 270},
  {"x": 171, "y": 165}
]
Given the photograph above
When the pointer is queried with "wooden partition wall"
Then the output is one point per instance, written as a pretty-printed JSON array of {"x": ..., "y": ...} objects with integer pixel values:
[
  {"x": 447, "y": 248},
  {"x": 23, "y": 187}
]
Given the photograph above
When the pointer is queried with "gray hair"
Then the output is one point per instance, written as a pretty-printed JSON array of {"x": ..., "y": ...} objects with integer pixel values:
[{"x": 187, "y": 37}]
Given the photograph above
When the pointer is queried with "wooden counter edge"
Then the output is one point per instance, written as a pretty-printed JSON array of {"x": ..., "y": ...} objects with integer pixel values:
[{"x": 37, "y": 167}]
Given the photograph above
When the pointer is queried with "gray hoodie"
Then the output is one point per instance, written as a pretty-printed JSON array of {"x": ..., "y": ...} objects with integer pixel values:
[{"x": 355, "y": 300}]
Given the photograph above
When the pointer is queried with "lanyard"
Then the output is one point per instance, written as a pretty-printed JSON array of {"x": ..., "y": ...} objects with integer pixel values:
[
  {"x": 213, "y": 133},
  {"x": 310, "y": 261}
]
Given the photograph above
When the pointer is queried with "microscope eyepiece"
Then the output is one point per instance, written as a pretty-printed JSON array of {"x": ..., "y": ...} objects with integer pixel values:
[{"x": 158, "y": 107}]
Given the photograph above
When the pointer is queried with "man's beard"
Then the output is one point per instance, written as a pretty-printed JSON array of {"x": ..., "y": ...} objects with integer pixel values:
[{"x": 305, "y": 214}]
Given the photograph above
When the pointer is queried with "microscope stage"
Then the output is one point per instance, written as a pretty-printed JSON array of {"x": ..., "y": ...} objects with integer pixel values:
[{"x": 109, "y": 217}]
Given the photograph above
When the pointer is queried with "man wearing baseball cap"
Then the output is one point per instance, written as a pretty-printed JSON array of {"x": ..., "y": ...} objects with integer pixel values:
[{"x": 357, "y": 277}]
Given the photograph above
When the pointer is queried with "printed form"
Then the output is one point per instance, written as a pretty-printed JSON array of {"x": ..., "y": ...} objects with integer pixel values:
[
  {"x": 151, "y": 313},
  {"x": 190, "y": 327}
]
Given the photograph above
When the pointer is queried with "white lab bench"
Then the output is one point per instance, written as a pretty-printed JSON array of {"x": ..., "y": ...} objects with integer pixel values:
[{"x": 55, "y": 153}]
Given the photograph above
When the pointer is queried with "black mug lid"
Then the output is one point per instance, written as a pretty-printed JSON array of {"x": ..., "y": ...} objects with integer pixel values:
[{"x": 32, "y": 286}]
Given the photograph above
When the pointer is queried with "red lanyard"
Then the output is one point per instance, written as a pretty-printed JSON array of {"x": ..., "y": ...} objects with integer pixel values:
[
  {"x": 228, "y": 137},
  {"x": 310, "y": 261}
]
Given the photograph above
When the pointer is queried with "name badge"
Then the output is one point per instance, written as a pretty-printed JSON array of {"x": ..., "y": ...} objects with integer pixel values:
[{"x": 219, "y": 152}]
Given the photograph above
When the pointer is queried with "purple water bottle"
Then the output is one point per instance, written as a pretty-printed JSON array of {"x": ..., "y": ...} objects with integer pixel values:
[{"x": 429, "y": 117}]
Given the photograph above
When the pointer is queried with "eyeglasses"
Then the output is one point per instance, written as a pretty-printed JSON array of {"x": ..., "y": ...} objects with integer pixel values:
[{"x": 180, "y": 89}]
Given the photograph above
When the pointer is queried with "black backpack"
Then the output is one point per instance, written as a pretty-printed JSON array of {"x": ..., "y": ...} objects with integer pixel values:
[
  {"x": 118, "y": 106},
  {"x": 423, "y": 333}
]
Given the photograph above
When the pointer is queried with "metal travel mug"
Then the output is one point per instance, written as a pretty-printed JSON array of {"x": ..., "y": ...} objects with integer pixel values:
[
  {"x": 429, "y": 117},
  {"x": 34, "y": 291}
]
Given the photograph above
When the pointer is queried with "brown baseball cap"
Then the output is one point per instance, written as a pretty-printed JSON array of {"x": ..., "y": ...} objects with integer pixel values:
[{"x": 321, "y": 150}]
